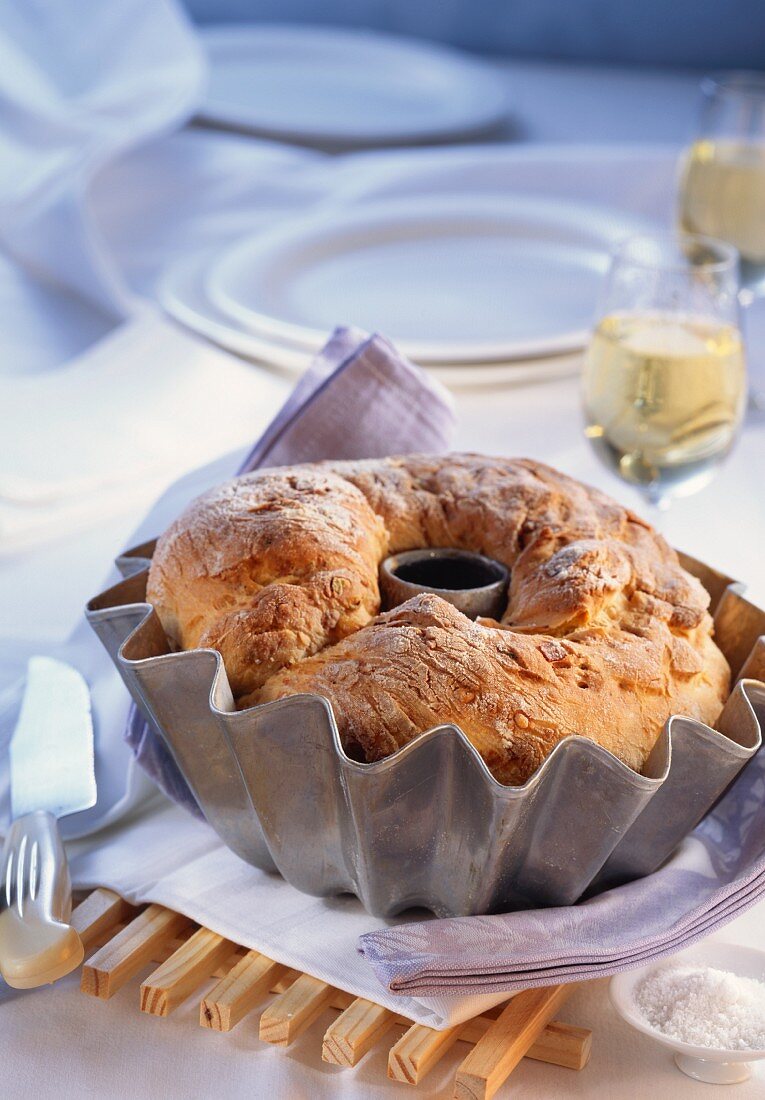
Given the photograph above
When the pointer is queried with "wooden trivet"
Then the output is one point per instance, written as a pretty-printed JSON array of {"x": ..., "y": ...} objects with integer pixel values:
[{"x": 120, "y": 940}]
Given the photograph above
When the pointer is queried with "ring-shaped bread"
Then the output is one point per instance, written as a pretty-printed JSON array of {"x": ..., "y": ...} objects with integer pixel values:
[{"x": 605, "y": 634}]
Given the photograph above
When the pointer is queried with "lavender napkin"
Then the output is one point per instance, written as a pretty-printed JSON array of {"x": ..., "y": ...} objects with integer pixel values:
[
  {"x": 718, "y": 872},
  {"x": 359, "y": 399}
]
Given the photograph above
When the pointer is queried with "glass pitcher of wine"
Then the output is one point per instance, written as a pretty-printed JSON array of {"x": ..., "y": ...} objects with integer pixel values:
[
  {"x": 664, "y": 375},
  {"x": 722, "y": 185}
]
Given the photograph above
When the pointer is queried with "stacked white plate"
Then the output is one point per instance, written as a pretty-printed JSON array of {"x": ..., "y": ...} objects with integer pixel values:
[
  {"x": 340, "y": 87},
  {"x": 481, "y": 288}
]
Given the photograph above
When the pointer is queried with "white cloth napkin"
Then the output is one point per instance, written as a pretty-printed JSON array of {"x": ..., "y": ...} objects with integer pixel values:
[
  {"x": 96, "y": 195},
  {"x": 110, "y": 430},
  {"x": 77, "y": 88},
  {"x": 168, "y": 857}
]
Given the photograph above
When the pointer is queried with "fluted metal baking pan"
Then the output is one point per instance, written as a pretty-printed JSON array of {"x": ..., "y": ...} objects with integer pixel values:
[{"x": 428, "y": 826}]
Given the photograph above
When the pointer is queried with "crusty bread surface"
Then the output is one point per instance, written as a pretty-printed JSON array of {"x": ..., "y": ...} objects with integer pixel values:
[{"x": 604, "y": 635}]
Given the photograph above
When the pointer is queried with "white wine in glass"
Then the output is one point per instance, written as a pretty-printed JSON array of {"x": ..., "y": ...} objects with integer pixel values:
[
  {"x": 664, "y": 377},
  {"x": 722, "y": 183},
  {"x": 723, "y": 195}
]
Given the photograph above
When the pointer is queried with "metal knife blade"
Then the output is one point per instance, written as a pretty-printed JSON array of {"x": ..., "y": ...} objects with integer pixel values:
[{"x": 51, "y": 749}]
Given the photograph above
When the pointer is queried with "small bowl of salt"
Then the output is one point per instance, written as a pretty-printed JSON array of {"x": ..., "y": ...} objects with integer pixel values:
[{"x": 706, "y": 1004}]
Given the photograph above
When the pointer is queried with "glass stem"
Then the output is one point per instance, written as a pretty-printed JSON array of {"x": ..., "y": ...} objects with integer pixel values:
[
  {"x": 660, "y": 500},
  {"x": 755, "y": 402}
]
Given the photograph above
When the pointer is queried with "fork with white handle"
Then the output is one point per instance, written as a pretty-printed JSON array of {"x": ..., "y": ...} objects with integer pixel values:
[
  {"x": 37, "y": 943},
  {"x": 51, "y": 775}
]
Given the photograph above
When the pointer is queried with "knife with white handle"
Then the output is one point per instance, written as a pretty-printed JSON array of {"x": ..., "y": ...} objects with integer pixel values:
[{"x": 51, "y": 776}]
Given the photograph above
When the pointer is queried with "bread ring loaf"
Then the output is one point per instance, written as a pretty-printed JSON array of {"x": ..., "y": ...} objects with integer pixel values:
[{"x": 604, "y": 635}]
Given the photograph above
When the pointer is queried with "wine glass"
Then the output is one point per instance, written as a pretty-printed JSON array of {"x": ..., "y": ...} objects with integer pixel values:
[
  {"x": 664, "y": 374},
  {"x": 722, "y": 189},
  {"x": 722, "y": 180}
]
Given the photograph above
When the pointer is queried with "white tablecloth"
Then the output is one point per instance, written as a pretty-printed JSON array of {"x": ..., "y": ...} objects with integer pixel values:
[{"x": 58, "y": 1042}]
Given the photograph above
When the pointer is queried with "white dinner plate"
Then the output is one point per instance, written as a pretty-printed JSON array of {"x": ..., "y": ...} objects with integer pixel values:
[
  {"x": 448, "y": 278},
  {"x": 353, "y": 87},
  {"x": 181, "y": 293}
]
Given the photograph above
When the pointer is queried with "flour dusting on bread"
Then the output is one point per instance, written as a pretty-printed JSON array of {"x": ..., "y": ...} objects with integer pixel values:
[{"x": 604, "y": 635}]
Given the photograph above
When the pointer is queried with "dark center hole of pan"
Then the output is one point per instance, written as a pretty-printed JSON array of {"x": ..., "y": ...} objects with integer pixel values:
[
  {"x": 474, "y": 584},
  {"x": 453, "y": 574}
]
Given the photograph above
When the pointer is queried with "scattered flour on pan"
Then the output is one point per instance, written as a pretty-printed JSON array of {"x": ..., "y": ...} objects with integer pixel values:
[{"x": 704, "y": 1007}]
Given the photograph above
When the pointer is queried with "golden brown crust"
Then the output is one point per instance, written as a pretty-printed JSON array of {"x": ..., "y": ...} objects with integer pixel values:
[
  {"x": 268, "y": 569},
  {"x": 604, "y": 634},
  {"x": 514, "y": 695}
]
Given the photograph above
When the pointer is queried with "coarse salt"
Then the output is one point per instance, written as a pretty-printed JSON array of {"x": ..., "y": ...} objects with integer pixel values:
[{"x": 704, "y": 1007}]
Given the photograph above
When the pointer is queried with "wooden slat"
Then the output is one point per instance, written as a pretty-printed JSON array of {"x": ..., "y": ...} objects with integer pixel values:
[
  {"x": 194, "y": 961},
  {"x": 341, "y": 1000},
  {"x": 418, "y": 1050},
  {"x": 295, "y": 1010},
  {"x": 356, "y": 1031},
  {"x": 420, "y": 1047},
  {"x": 165, "y": 950},
  {"x": 287, "y": 979},
  {"x": 559, "y": 1044},
  {"x": 506, "y": 1041},
  {"x": 239, "y": 991},
  {"x": 99, "y": 914},
  {"x": 562, "y": 1045},
  {"x": 130, "y": 950}
]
